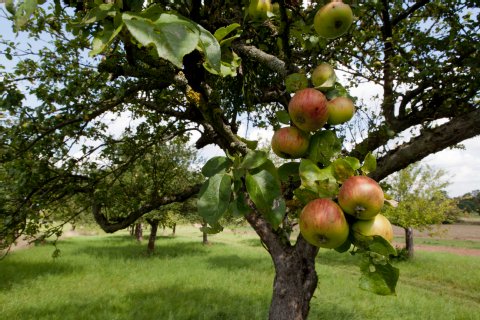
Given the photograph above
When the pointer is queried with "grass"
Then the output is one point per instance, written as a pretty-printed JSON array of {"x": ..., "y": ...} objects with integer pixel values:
[{"x": 111, "y": 277}]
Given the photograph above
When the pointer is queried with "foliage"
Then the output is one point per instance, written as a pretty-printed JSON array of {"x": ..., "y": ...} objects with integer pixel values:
[
  {"x": 183, "y": 67},
  {"x": 470, "y": 202},
  {"x": 422, "y": 200}
]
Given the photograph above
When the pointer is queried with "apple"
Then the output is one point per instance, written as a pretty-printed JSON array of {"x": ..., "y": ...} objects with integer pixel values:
[
  {"x": 340, "y": 110},
  {"x": 258, "y": 9},
  {"x": 290, "y": 142},
  {"x": 361, "y": 197},
  {"x": 363, "y": 230},
  {"x": 308, "y": 109},
  {"x": 333, "y": 19},
  {"x": 323, "y": 224},
  {"x": 323, "y": 75}
]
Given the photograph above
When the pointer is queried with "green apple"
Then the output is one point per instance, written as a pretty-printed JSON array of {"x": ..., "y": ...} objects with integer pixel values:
[
  {"x": 308, "y": 109},
  {"x": 363, "y": 230},
  {"x": 340, "y": 110},
  {"x": 333, "y": 19},
  {"x": 323, "y": 224},
  {"x": 259, "y": 9},
  {"x": 290, "y": 142},
  {"x": 323, "y": 75}
]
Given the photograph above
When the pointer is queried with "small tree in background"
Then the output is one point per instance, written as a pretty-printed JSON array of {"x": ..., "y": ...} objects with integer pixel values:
[{"x": 423, "y": 202}]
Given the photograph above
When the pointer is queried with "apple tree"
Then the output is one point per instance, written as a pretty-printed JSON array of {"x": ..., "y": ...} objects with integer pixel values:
[{"x": 195, "y": 70}]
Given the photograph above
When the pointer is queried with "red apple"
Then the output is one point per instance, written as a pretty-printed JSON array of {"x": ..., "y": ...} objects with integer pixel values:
[
  {"x": 340, "y": 110},
  {"x": 323, "y": 224},
  {"x": 363, "y": 230},
  {"x": 308, "y": 109},
  {"x": 361, "y": 197},
  {"x": 333, "y": 19},
  {"x": 290, "y": 142}
]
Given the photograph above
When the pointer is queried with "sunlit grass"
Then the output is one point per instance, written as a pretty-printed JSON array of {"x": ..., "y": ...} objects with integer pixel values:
[{"x": 112, "y": 277}]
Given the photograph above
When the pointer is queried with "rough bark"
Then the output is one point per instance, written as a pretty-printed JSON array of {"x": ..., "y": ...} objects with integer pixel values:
[
  {"x": 204, "y": 233},
  {"x": 295, "y": 276},
  {"x": 409, "y": 242}
]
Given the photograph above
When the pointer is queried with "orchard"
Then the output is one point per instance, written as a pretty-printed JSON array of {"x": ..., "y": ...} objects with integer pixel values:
[{"x": 198, "y": 73}]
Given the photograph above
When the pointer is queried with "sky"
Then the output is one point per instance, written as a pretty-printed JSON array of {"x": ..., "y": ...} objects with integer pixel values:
[{"x": 462, "y": 166}]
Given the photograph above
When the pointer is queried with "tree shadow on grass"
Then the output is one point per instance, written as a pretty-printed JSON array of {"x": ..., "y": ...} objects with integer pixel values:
[
  {"x": 133, "y": 250},
  {"x": 17, "y": 272},
  {"x": 235, "y": 262},
  {"x": 162, "y": 302}
]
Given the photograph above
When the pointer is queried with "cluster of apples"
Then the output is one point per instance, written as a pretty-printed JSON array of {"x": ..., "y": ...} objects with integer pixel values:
[
  {"x": 309, "y": 110},
  {"x": 322, "y": 221}
]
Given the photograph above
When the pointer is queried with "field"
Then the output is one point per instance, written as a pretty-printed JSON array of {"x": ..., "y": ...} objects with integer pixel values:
[{"x": 112, "y": 277}]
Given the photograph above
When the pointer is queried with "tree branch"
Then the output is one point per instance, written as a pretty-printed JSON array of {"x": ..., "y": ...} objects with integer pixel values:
[
  {"x": 409, "y": 11},
  {"x": 430, "y": 141},
  {"x": 122, "y": 223},
  {"x": 253, "y": 53}
]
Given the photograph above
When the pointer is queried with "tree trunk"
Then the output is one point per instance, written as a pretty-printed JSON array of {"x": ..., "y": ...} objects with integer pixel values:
[
  {"x": 174, "y": 228},
  {"x": 294, "y": 284},
  {"x": 138, "y": 232},
  {"x": 153, "y": 235},
  {"x": 204, "y": 233},
  {"x": 295, "y": 276},
  {"x": 409, "y": 242}
]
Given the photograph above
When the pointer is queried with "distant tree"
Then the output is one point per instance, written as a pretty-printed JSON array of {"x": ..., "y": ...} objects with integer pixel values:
[
  {"x": 422, "y": 200},
  {"x": 470, "y": 202}
]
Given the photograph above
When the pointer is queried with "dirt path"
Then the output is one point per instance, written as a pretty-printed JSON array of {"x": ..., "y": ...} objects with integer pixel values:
[{"x": 455, "y": 250}]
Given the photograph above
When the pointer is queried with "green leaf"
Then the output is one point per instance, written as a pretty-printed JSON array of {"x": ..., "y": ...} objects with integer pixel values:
[
  {"x": 254, "y": 159},
  {"x": 327, "y": 188},
  {"x": 23, "y": 13},
  {"x": 171, "y": 35},
  {"x": 310, "y": 173},
  {"x": 10, "y": 6},
  {"x": 215, "y": 165},
  {"x": 344, "y": 247},
  {"x": 353, "y": 162},
  {"x": 378, "y": 278},
  {"x": 264, "y": 190},
  {"x": 210, "y": 47},
  {"x": 324, "y": 146},
  {"x": 381, "y": 246},
  {"x": 222, "y": 32},
  {"x": 214, "y": 198},
  {"x": 104, "y": 38},
  {"x": 305, "y": 195},
  {"x": 213, "y": 229},
  {"x": 283, "y": 116},
  {"x": 342, "y": 170},
  {"x": 239, "y": 206},
  {"x": 251, "y": 144},
  {"x": 369, "y": 164},
  {"x": 98, "y": 13},
  {"x": 289, "y": 170}
]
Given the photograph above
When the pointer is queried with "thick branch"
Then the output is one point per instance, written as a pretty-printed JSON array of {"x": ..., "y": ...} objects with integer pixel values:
[
  {"x": 122, "y": 223},
  {"x": 253, "y": 53},
  {"x": 409, "y": 11},
  {"x": 430, "y": 141}
]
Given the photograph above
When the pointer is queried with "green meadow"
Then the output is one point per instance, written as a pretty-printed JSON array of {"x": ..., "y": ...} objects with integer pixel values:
[{"x": 112, "y": 277}]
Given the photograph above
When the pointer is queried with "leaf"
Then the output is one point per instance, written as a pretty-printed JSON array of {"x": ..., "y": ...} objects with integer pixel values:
[
  {"x": 264, "y": 190},
  {"x": 378, "y": 278},
  {"x": 222, "y": 32},
  {"x": 327, "y": 188},
  {"x": 342, "y": 170},
  {"x": 305, "y": 195},
  {"x": 324, "y": 145},
  {"x": 369, "y": 164},
  {"x": 239, "y": 206},
  {"x": 214, "y": 198},
  {"x": 171, "y": 35},
  {"x": 289, "y": 170},
  {"x": 283, "y": 116},
  {"x": 310, "y": 173},
  {"x": 344, "y": 247},
  {"x": 254, "y": 159},
  {"x": 210, "y": 47},
  {"x": 251, "y": 144},
  {"x": 381, "y": 246},
  {"x": 23, "y": 13},
  {"x": 98, "y": 13},
  {"x": 216, "y": 165},
  {"x": 216, "y": 228},
  {"x": 104, "y": 38},
  {"x": 353, "y": 162}
]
